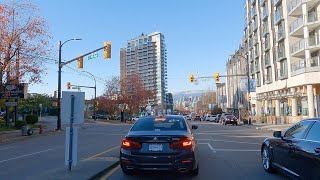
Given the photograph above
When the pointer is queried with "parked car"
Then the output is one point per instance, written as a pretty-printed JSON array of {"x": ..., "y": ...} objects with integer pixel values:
[
  {"x": 295, "y": 152},
  {"x": 158, "y": 144},
  {"x": 99, "y": 116},
  {"x": 230, "y": 119},
  {"x": 197, "y": 118},
  {"x": 211, "y": 118}
]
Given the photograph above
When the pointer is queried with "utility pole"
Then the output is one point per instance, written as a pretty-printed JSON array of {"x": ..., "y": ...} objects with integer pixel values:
[{"x": 95, "y": 95}]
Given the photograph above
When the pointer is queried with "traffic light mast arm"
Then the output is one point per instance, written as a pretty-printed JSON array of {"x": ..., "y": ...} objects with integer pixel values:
[
  {"x": 75, "y": 59},
  {"x": 206, "y": 77},
  {"x": 83, "y": 86}
]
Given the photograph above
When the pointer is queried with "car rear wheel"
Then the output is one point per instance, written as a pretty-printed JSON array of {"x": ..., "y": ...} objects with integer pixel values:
[
  {"x": 195, "y": 172},
  {"x": 266, "y": 160}
]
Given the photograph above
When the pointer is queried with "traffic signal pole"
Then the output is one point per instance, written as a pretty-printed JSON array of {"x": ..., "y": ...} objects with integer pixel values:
[{"x": 60, "y": 65}]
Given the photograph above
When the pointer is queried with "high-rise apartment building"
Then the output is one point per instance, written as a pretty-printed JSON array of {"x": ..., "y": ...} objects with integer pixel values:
[
  {"x": 146, "y": 56},
  {"x": 282, "y": 45}
]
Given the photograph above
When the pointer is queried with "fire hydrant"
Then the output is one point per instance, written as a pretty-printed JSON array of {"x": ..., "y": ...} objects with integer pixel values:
[{"x": 41, "y": 129}]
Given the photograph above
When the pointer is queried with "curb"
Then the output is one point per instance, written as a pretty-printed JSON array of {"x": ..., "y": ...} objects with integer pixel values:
[{"x": 105, "y": 171}]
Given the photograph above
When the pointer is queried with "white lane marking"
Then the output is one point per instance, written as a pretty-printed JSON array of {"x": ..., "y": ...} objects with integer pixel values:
[
  {"x": 210, "y": 147},
  {"x": 203, "y": 139},
  {"x": 235, "y": 142},
  {"x": 239, "y": 150},
  {"x": 6, "y": 148},
  {"x": 18, "y": 157}
]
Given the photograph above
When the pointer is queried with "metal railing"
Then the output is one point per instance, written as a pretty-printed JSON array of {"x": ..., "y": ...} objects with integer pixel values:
[
  {"x": 315, "y": 61},
  {"x": 312, "y": 17},
  {"x": 293, "y": 4},
  {"x": 299, "y": 45},
  {"x": 298, "y": 65},
  {"x": 313, "y": 41},
  {"x": 296, "y": 24}
]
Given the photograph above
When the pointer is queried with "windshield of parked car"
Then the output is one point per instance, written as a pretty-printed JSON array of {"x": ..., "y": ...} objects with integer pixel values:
[{"x": 160, "y": 124}]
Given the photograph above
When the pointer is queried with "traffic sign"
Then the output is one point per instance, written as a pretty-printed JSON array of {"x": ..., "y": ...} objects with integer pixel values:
[{"x": 11, "y": 103}]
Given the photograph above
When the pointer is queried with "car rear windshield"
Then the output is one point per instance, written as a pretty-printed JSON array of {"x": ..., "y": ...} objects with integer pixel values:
[
  {"x": 229, "y": 117},
  {"x": 160, "y": 124}
]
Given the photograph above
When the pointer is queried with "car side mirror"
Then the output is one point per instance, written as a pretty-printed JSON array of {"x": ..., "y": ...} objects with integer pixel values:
[
  {"x": 277, "y": 134},
  {"x": 194, "y": 127}
]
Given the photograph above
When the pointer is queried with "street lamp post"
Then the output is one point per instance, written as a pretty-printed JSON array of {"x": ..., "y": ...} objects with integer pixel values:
[
  {"x": 95, "y": 95},
  {"x": 59, "y": 82}
]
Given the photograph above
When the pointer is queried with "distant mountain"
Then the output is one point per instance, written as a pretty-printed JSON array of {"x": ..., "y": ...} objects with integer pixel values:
[{"x": 177, "y": 95}]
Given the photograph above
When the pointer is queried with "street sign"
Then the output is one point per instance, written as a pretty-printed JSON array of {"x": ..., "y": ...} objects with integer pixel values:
[
  {"x": 11, "y": 103},
  {"x": 14, "y": 91},
  {"x": 93, "y": 55},
  {"x": 78, "y": 107}
]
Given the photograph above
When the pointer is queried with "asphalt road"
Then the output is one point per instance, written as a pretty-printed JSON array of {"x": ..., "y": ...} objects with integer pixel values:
[
  {"x": 226, "y": 152},
  {"x": 39, "y": 156}
]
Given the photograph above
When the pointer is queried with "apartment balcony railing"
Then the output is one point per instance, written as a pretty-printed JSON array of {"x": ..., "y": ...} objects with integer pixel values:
[
  {"x": 293, "y": 5},
  {"x": 303, "y": 66},
  {"x": 296, "y": 24},
  {"x": 314, "y": 41},
  {"x": 298, "y": 65},
  {"x": 312, "y": 17},
  {"x": 298, "y": 46}
]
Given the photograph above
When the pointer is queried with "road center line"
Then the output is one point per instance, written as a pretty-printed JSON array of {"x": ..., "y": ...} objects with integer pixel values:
[
  {"x": 18, "y": 157},
  {"x": 91, "y": 157}
]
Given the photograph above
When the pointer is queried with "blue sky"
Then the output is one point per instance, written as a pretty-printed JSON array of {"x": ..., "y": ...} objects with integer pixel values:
[{"x": 200, "y": 36}]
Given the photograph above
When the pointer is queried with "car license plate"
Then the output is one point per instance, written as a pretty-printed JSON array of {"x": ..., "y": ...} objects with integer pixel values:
[{"x": 155, "y": 147}]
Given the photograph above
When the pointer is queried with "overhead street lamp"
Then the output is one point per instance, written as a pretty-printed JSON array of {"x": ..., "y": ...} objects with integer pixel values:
[
  {"x": 95, "y": 94},
  {"x": 59, "y": 81}
]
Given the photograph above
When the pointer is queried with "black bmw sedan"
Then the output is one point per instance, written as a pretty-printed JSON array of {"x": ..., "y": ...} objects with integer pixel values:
[
  {"x": 295, "y": 152},
  {"x": 160, "y": 144}
]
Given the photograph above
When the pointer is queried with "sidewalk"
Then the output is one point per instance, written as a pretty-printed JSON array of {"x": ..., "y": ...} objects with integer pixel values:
[{"x": 270, "y": 127}]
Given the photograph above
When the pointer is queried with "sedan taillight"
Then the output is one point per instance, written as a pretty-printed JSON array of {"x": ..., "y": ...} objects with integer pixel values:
[
  {"x": 184, "y": 143},
  {"x": 129, "y": 144},
  {"x": 228, "y": 119}
]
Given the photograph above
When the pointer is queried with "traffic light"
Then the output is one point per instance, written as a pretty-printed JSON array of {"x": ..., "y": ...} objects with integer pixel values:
[
  {"x": 216, "y": 77},
  {"x": 68, "y": 85},
  {"x": 191, "y": 78},
  {"x": 107, "y": 50},
  {"x": 55, "y": 94},
  {"x": 249, "y": 96},
  {"x": 80, "y": 62}
]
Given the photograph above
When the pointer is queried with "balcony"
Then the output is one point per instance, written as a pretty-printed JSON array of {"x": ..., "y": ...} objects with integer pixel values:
[
  {"x": 305, "y": 66},
  {"x": 312, "y": 21},
  {"x": 313, "y": 43},
  {"x": 295, "y": 28},
  {"x": 280, "y": 34},
  {"x": 293, "y": 8},
  {"x": 297, "y": 49}
]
